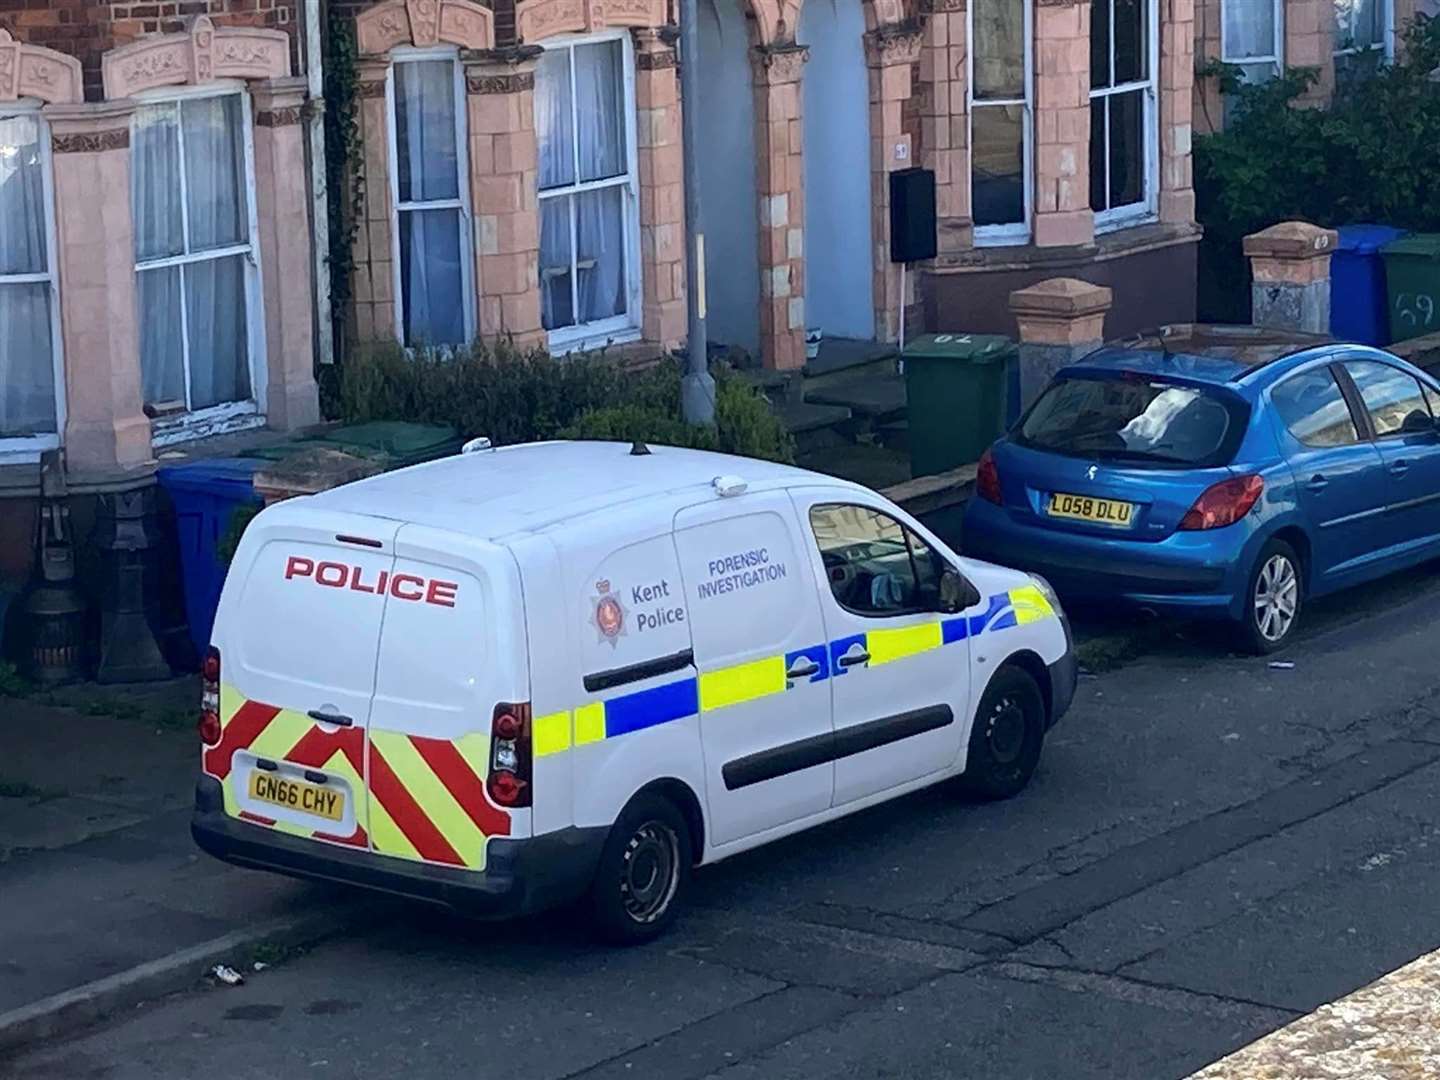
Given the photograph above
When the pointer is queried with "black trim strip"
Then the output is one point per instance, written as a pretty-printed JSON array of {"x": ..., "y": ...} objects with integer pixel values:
[
  {"x": 646, "y": 669},
  {"x": 820, "y": 749},
  {"x": 1411, "y": 504}
]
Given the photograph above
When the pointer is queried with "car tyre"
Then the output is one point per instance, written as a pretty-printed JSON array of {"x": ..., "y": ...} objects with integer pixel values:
[
  {"x": 643, "y": 872},
  {"x": 1274, "y": 597},
  {"x": 1006, "y": 739}
]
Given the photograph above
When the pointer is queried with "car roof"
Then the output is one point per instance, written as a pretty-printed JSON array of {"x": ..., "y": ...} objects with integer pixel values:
[
  {"x": 1203, "y": 352},
  {"x": 533, "y": 486}
]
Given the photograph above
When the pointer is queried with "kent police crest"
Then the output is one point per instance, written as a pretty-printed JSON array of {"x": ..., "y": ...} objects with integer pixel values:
[{"x": 609, "y": 616}]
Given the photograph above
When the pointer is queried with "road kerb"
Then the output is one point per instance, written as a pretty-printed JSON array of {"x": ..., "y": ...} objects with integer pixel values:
[{"x": 84, "y": 1005}]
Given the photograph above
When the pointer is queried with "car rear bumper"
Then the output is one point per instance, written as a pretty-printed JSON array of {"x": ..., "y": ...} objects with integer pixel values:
[
  {"x": 520, "y": 876},
  {"x": 1188, "y": 573}
]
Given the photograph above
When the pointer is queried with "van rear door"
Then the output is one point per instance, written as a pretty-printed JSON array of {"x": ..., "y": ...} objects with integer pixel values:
[
  {"x": 452, "y": 657},
  {"x": 298, "y": 629}
]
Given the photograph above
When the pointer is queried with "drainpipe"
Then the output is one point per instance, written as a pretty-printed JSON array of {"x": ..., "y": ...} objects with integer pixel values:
[{"x": 319, "y": 200}]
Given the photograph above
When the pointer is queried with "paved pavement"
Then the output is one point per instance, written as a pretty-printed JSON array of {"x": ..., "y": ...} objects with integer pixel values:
[{"x": 1213, "y": 848}]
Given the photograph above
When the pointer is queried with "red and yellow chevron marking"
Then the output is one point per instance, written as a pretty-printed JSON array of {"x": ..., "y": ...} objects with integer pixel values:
[{"x": 426, "y": 797}]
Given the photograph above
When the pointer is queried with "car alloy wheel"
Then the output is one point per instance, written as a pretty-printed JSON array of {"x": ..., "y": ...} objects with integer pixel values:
[
  {"x": 651, "y": 873},
  {"x": 1277, "y": 597}
]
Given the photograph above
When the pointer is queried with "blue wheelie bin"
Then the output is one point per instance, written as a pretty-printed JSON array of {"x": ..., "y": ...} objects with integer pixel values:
[
  {"x": 205, "y": 495},
  {"x": 1359, "y": 301}
]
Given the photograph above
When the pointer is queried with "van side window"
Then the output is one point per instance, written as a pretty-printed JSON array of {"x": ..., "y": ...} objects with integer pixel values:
[{"x": 876, "y": 566}]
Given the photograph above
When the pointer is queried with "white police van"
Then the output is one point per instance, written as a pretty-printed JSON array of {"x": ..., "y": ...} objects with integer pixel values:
[{"x": 514, "y": 678}]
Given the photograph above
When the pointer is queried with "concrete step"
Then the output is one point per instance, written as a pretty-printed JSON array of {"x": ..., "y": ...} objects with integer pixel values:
[
  {"x": 878, "y": 398},
  {"x": 843, "y": 354},
  {"x": 800, "y": 417}
]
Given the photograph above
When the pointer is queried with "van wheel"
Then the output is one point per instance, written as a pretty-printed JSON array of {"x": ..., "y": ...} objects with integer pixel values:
[
  {"x": 1274, "y": 595},
  {"x": 643, "y": 872},
  {"x": 1006, "y": 738}
]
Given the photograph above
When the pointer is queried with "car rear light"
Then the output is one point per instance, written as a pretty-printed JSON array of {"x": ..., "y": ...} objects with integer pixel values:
[
  {"x": 209, "y": 725},
  {"x": 510, "y": 755},
  {"x": 1224, "y": 503},
  {"x": 987, "y": 478}
]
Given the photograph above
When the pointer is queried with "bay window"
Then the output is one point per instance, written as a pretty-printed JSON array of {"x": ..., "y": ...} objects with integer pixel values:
[
  {"x": 430, "y": 190},
  {"x": 1252, "y": 37},
  {"x": 31, "y": 384},
  {"x": 196, "y": 264},
  {"x": 589, "y": 217},
  {"x": 1000, "y": 119},
  {"x": 1123, "y": 115}
]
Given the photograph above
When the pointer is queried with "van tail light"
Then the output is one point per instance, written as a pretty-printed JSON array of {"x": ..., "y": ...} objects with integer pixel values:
[
  {"x": 987, "y": 478},
  {"x": 1224, "y": 503},
  {"x": 510, "y": 755},
  {"x": 209, "y": 725}
]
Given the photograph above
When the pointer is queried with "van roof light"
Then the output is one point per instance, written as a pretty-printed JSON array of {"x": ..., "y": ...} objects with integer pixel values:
[
  {"x": 727, "y": 486},
  {"x": 480, "y": 442}
]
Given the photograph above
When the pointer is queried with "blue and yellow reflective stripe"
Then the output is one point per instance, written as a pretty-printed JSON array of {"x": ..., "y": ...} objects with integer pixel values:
[{"x": 721, "y": 688}]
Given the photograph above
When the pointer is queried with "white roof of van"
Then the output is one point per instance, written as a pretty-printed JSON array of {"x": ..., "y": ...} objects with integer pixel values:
[{"x": 529, "y": 487}]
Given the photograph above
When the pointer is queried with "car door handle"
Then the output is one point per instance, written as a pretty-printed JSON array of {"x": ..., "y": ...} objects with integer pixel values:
[
  {"x": 1399, "y": 468},
  {"x": 338, "y": 719},
  {"x": 1317, "y": 483},
  {"x": 802, "y": 669},
  {"x": 851, "y": 659}
]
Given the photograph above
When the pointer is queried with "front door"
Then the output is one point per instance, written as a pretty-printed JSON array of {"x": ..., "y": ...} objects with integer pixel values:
[
  {"x": 1339, "y": 475},
  {"x": 1408, "y": 442},
  {"x": 760, "y": 649},
  {"x": 901, "y": 690}
]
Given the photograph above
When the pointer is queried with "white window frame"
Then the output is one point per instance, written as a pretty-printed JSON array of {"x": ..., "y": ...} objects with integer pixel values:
[
  {"x": 1120, "y": 217},
  {"x": 618, "y": 329},
  {"x": 23, "y": 449},
  {"x": 1387, "y": 35},
  {"x": 461, "y": 202},
  {"x": 231, "y": 415},
  {"x": 1276, "y": 56},
  {"x": 1014, "y": 232}
]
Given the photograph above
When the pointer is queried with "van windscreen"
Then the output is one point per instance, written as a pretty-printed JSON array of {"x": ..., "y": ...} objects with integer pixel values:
[{"x": 1139, "y": 420}]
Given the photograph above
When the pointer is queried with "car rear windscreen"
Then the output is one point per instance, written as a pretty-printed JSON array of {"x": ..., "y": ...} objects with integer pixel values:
[{"x": 1135, "y": 419}]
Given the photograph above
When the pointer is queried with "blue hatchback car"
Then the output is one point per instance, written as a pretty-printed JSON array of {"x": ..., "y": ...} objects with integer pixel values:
[{"x": 1223, "y": 472}]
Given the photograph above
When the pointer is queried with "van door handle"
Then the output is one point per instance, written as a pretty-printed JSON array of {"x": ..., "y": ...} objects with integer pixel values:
[
  {"x": 802, "y": 669},
  {"x": 338, "y": 719},
  {"x": 851, "y": 659},
  {"x": 1318, "y": 482}
]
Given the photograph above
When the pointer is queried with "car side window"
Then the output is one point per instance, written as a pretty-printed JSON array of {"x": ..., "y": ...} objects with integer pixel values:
[
  {"x": 1391, "y": 396},
  {"x": 875, "y": 565},
  {"x": 1312, "y": 406}
]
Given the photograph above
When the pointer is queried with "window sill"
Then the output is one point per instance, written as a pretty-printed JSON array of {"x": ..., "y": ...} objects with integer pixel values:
[
  {"x": 222, "y": 420},
  {"x": 579, "y": 340},
  {"x": 1115, "y": 243}
]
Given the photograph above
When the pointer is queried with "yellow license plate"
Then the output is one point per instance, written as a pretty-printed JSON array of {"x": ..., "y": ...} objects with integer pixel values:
[
  {"x": 1086, "y": 508},
  {"x": 317, "y": 799}
]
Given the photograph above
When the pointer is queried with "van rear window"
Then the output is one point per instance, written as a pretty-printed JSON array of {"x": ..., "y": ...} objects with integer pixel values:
[{"x": 1140, "y": 420}]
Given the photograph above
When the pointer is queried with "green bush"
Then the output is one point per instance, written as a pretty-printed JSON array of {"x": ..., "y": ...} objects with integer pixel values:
[
  {"x": 512, "y": 395},
  {"x": 1372, "y": 156}
]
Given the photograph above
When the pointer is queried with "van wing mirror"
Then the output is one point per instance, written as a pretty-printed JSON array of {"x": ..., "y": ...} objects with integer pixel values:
[{"x": 956, "y": 592}]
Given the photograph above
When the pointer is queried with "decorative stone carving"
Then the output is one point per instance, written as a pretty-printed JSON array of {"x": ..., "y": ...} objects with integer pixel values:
[
  {"x": 422, "y": 23},
  {"x": 204, "y": 53},
  {"x": 655, "y": 61},
  {"x": 937, "y": 7},
  {"x": 515, "y": 83},
  {"x": 775, "y": 65},
  {"x": 32, "y": 72},
  {"x": 893, "y": 45},
  {"x": 536, "y": 20},
  {"x": 92, "y": 142},
  {"x": 273, "y": 118}
]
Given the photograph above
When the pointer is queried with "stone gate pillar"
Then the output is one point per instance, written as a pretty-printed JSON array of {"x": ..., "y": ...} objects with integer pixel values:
[
  {"x": 1060, "y": 320},
  {"x": 1290, "y": 276}
]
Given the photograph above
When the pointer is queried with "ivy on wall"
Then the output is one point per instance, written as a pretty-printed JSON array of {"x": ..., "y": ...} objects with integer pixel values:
[
  {"x": 1372, "y": 156},
  {"x": 344, "y": 163}
]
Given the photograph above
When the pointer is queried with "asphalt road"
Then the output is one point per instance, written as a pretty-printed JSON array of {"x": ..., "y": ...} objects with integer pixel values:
[{"x": 1211, "y": 848}]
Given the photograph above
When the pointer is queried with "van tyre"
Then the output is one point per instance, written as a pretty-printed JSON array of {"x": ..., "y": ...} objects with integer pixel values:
[
  {"x": 1007, "y": 736},
  {"x": 1274, "y": 596},
  {"x": 643, "y": 872}
]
